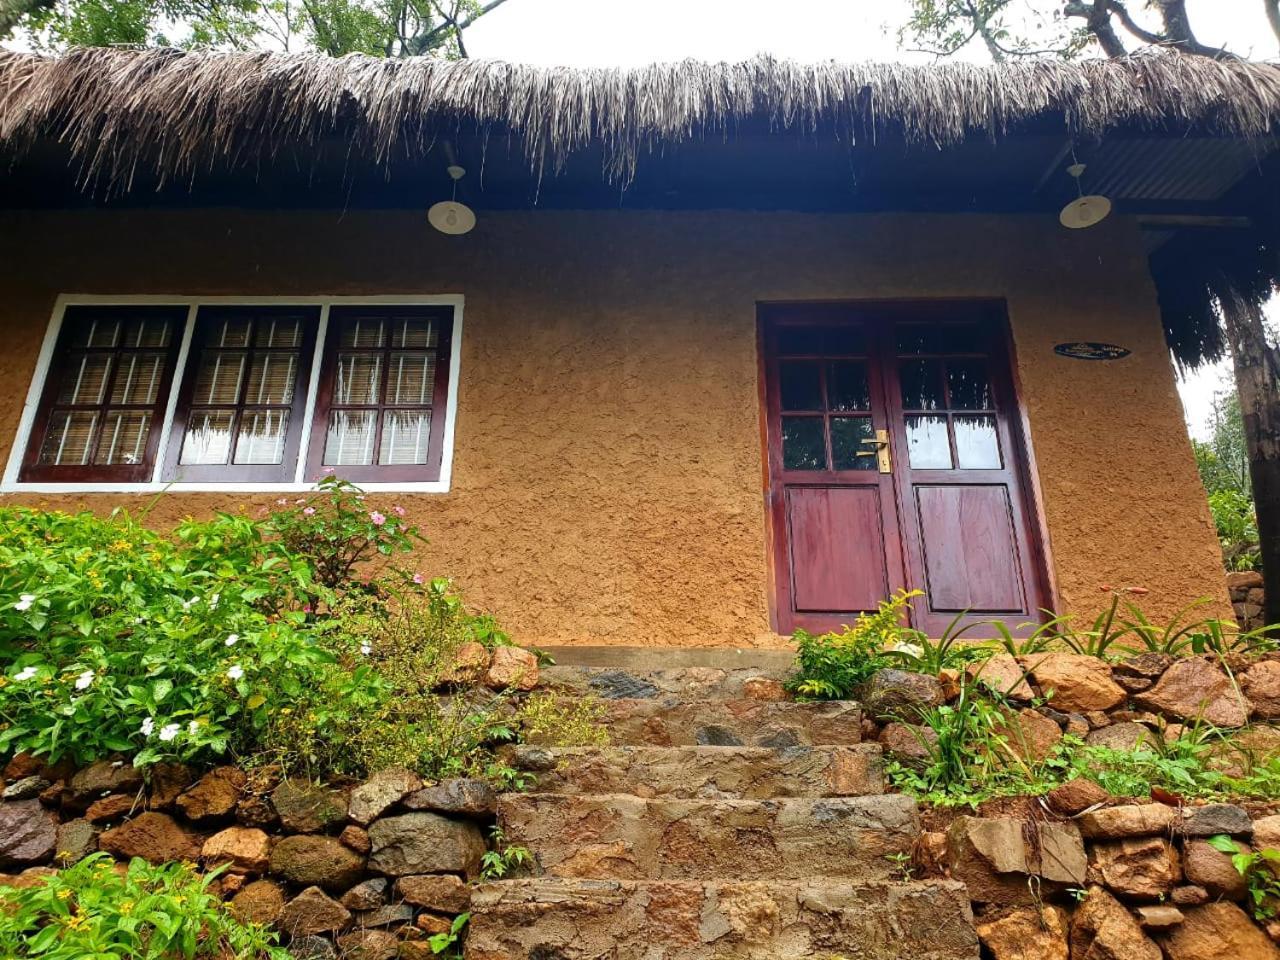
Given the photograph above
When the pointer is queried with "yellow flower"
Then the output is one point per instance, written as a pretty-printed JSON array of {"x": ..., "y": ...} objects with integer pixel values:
[
  {"x": 126, "y": 907},
  {"x": 64, "y": 894}
]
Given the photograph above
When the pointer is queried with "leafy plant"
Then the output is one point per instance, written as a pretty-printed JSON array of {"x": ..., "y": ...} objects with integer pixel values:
[
  {"x": 440, "y": 942},
  {"x": 1261, "y": 872},
  {"x": 502, "y": 859},
  {"x": 90, "y": 910}
]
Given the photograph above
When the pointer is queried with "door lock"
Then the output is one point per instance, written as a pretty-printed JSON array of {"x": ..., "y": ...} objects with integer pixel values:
[{"x": 881, "y": 452}]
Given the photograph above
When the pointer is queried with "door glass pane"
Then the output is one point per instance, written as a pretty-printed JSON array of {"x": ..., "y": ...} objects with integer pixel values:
[
  {"x": 85, "y": 380},
  {"x": 847, "y": 436},
  {"x": 411, "y": 378},
  {"x": 261, "y": 437},
  {"x": 406, "y": 435},
  {"x": 350, "y": 437},
  {"x": 70, "y": 437},
  {"x": 208, "y": 437},
  {"x": 921, "y": 384},
  {"x": 124, "y": 437},
  {"x": 845, "y": 340},
  {"x": 968, "y": 386},
  {"x": 359, "y": 379},
  {"x": 138, "y": 378},
  {"x": 218, "y": 378},
  {"x": 803, "y": 444},
  {"x": 976, "y": 445},
  {"x": 847, "y": 387},
  {"x": 963, "y": 338},
  {"x": 927, "y": 447},
  {"x": 799, "y": 387},
  {"x": 271, "y": 379}
]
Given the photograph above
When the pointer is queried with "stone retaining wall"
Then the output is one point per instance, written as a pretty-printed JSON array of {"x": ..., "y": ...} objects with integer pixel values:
[{"x": 1247, "y": 598}]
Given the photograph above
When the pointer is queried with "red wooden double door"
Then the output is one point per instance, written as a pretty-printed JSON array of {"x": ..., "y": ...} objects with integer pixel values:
[{"x": 895, "y": 461}]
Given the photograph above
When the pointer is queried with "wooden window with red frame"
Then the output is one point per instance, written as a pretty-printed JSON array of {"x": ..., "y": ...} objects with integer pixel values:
[
  {"x": 380, "y": 410},
  {"x": 243, "y": 395},
  {"x": 101, "y": 411}
]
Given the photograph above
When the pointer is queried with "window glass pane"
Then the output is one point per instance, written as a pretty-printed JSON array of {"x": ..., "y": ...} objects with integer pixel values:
[
  {"x": 349, "y": 440},
  {"x": 847, "y": 387},
  {"x": 218, "y": 378},
  {"x": 803, "y": 444},
  {"x": 358, "y": 380},
  {"x": 281, "y": 332},
  {"x": 124, "y": 437},
  {"x": 967, "y": 385},
  {"x": 366, "y": 332},
  {"x": 208, "y": 437},
  {"x": 96, "y": 333},
  {"x": 147, "y": 333},
  {"x": 799, "y": 387},
  {"x": 411, "y": 378},
  {"x": 921, "y": 384},
  {"x": 844, "y": 340},
  {"x": 271, "y": 379},
  {"x": 261, "y": 436},
  {"x": 977, "y": 447},
  {"x": 800, "y": 340},
  {"x": 917, "y": 338},
  {"x": 419, "y": 334},
  {"x": 847, "y": 436},
  {"x": 138, "y": 378},
  {"x": 84, "y": 378},
  {"x": 927, "y": 446},
  {"x": 406, "y": 436},
  {"x": 963, "y": 338},
  {"x": 231, "y": 333},
  {"x": 69, "y": 440}
]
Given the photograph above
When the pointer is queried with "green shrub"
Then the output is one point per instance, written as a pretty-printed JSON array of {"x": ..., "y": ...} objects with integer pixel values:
[
  {"x": 90, "y": 911},
  {"x": 1261, "y": 872}
]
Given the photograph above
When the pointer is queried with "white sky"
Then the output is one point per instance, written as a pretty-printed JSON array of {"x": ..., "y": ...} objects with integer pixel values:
[{"x": 627, "y": 33}]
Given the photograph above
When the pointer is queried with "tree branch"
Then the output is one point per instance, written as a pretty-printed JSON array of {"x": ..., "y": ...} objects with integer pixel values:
[
  {"x": 1097, "y": 17},
  {"x": 1273, "y": 16},
  {"x": 1178, "y": 32},
  {"x": 13, "y": 11}
]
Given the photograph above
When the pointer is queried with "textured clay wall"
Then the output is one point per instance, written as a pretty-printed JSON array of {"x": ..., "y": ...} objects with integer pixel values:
[{"x": 607, "y": 472}]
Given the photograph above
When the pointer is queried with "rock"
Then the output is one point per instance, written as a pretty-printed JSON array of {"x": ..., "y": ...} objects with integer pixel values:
[
  {"x": 1261, "y": 684},
  {"x": 512, "y": 669},
  {"x": 443, "y": 893},
  {"x": 1076, "y": 796},
  {"x": 1189, "y": 896},
  {"x": 470, "y": 662},
  {"x": 113, "y": 807},
  {"x": 1266, "y": 833},
  {"x": 215, "y": 795},
  {"x": 425, "y": 843},
  {"x": 764, "y": 688},
  {"x": 1213, "y": 870},
  {"x": 1217, "y": 931},
  {"x": 312, "y": 948},
  {"x": 1159, "y": 917},
  {"x": 949, "y": 680},
  {"x": 1032, "y": 736},
  {"x": 1132, "y": 684},
  {"x": 1124, "y": 737},
  {"x": 1076, "y": 725},
  {"x": 907, "y": 741},
  {"x": 462, "y": 795},
  {"x": 168, "y": 781},
  {"x": 380, "y": 793},
  {"x": 900, "y": 695},
  {"x": 355, "y": 837},
  {"x": 312, "y": 861},
  {"x": 1102, "y": 929},
  {"x": 76, "y": 839},
  {"x": 1149, "y": 666},
  {"x": 1139, "y": 820},
  {"x": 1244, "y": 580},
  {"x": 1145, "y": 868},
  {"x": 246, "y": 849},
  {"x": 1078, "y": 682},
  {"x": 229, "y": 884},
  {"x": 1215, "y": 818},
  {"x": 100, "y": 778},
  {"x": 369, "y": 945},
  {"x": 259, "y": 902},
  {"x": 155, "y": 837},
  {"x": 256, "y": 811},
  {"x": 28, "y": 833},
  {"x": 26, "y": 788},
  {"x": 308, "y": 808},
  {"x": 992, "y": 857},
  {"x": 432, "y": 924},
  {"x": 313, "y": 911},
  {"x": 22, "y": 765},
  {"x": 1003, "y": 674},
  {"x": 1026, "y": 933},
  {"x": 386, "y": 915},
  {"x": 1195, "y": 689},
  {"x": 368, "y": 895}
]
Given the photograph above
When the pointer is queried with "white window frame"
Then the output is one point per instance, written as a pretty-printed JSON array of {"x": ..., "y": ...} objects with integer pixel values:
[{"x": 44, "y": 362}]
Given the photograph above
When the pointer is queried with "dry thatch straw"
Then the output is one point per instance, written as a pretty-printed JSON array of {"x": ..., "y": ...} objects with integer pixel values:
[{"x": 178, "y": 112}]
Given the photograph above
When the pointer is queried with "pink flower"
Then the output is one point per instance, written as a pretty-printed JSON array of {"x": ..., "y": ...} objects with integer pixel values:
[
  {"x": 328, "y": 469},
  {"x": 398, "y": 510},
  {"x": 377, "y": 519},
  {"x": 308, "y": 511},
  {"x": 300, "y": 501},
  {"x": 282, "y": 501},
  {"x": 417, "y": 578},
  {"x": 307, "y": 608}
]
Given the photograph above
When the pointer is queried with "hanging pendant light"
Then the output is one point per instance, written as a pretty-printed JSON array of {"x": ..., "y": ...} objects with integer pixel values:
[
  {"x": 450, "y": 216},
  {"x": 1086, "y": 209}
]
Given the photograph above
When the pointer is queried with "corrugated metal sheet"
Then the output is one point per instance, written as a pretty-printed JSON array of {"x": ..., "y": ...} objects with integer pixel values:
[{"x": 1198, "y": 169}]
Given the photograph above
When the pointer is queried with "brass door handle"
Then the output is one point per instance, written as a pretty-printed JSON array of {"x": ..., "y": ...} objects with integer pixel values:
[{"x": 884, "y": 462}]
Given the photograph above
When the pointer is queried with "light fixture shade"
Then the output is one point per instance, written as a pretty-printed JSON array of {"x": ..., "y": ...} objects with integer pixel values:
[
  {"x": 451, "y": 217},
  {"x": 1085, "y": 211}
]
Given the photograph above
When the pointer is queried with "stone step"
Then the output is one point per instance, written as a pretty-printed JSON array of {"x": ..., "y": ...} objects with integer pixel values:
[
  {"x": 672, "y": 722},
  {"x": 660, "y": 673},
  {"x": 748, "y": 773},
  {"x": 618, "y": 837},
  {"x": 551, "y": 919}
]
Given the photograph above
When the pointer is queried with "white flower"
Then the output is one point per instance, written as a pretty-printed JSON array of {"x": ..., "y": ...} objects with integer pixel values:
[
  {"x": 148, "y": 727},
  {"x": 188, "y": 604},
  {"x": 83, "y": 681},
  {"x": 193, "y": 727},
  {"x": 366, "y": 649},
  {"x": 910, "y": 649},
  {"x": 169, "y": 731},
  {"x": 232, "y": 640},
  {"x": 26, "y": 673},
  {"x": 25, "y": 601},
  {"x": 236, "y": 672},
  {"x": 213, "y": 601}
]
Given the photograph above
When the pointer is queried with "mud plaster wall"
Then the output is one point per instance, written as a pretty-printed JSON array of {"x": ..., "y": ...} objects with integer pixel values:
[{"x": 607, "y": 472}]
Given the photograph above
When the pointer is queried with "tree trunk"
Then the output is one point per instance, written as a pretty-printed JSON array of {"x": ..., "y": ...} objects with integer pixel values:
[{"x": 1258, "y": 382}]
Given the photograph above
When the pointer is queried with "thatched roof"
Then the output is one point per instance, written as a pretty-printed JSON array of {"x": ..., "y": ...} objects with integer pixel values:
[{"x": 175, "y": 112}]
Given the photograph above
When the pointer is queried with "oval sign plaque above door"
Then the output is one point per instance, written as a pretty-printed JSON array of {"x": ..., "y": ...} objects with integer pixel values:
[{"x": 1088, "y": 350}]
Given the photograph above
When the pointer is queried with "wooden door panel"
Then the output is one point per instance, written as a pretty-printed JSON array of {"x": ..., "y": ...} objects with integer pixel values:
[
  {"x": 970, "y": 549},
  {"x": 837, "y": 549}
]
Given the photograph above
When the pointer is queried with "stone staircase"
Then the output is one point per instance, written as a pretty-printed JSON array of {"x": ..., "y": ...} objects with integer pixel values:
[{"x": 716, "y": 825}]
